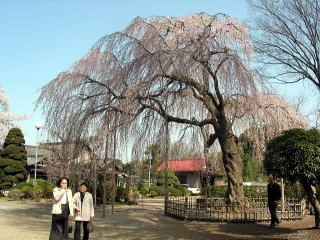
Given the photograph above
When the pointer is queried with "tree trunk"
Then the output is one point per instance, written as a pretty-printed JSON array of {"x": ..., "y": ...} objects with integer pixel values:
[{"x": 233, "y": 167}]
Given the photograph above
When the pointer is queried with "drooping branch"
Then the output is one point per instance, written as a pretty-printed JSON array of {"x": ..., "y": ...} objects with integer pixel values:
[{"x": 190, "y": 71}]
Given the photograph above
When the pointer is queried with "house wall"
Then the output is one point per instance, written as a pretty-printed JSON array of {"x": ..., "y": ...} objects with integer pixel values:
[
  {"x": 183, "y": 178},
  {"x": 192, "y": 178},
  {"x": 218, "y": 181}
]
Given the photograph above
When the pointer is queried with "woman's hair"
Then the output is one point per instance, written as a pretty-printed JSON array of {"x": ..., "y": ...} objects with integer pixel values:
[
  {"x": 60, "y": 180},
  {"x": 85, "y": 184}
]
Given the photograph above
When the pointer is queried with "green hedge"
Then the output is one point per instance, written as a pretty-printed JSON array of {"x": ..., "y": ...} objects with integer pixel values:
[
  {"x": 155, "y": 191},
  {"x": 290, "y": 191},
  {"x": 255, "y": 191},
  {"x": 43, "y": 189},
  {"x": 144, "y": 190},
  {"x": 174, "y": 192}
]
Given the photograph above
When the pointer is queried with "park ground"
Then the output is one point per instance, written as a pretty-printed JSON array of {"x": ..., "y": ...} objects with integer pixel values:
[{"x": 30, "y": 220}]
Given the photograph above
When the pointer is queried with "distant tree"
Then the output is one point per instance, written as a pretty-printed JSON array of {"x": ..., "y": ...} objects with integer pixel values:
[
  {"x": 286, "y": 36},
  {"x": 295, "y": 156},
  {"x": 130, "y": 169},
  {"x": 184, "y": 150},
  {"x": 6, "y": 117},
  {"x": 154, "y": 154},
  {"x": 172, "y": 179},
  {"x": 13, "y": 159},
  {"x": 4, "y": 107},
  {"x": 251, "y": 165},
  {"x": 272, "y": 115}
]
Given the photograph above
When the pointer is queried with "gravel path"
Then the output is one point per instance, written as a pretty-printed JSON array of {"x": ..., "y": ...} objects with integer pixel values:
[{"x": 30, "y": 220}]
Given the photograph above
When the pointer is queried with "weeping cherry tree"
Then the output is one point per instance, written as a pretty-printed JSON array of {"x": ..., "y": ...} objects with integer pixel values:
[{"x": 191, "y": 71}]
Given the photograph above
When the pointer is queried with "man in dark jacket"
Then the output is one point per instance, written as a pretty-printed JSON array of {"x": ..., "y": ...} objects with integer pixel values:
[{"x": 274, "y": 196}]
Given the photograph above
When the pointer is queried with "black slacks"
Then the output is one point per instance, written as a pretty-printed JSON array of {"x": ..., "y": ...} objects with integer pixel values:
[
  {"x": 273, "y": 205},
  {"x": 77, "y": 230},
  {"x": 59, "y": 224}
]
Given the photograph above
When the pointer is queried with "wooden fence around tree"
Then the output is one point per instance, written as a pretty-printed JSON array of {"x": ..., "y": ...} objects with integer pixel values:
[{"x": 215, "y": 209}]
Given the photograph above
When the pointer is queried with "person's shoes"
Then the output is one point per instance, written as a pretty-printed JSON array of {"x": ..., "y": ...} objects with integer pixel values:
[{"x": 271, "y": 226}]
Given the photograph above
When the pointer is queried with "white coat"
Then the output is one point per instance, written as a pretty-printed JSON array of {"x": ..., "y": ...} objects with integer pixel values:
[
  {"x": 57, "y": 196},
  {"x": 86, "y": 208}
]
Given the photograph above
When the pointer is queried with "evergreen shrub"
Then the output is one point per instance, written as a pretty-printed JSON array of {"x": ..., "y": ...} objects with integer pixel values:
[
  {"x": 174, "y": 192},
  {"x": 144, "y": 190},
  {"x": 15, "y": 194},
  {"x": 158, "y": 189},
  {"x": 153, "y": 194}
]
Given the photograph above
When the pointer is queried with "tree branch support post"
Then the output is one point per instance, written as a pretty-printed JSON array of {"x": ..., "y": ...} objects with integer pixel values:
[
  {"x": 166, "y": 192},
  {"x": 114, "y": 184},
  {"x": 282, "y": 195}
]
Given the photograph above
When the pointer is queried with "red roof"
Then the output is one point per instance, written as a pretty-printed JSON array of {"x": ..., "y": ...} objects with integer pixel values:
[{"x": 184, "y": 165}]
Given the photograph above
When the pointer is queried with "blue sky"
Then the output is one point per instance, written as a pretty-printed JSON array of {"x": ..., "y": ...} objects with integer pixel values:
[{"x": 41, "y": 38}]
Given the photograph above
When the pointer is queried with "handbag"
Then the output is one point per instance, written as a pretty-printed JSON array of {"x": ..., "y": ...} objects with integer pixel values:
[
  {"x": 90, "y": 226},
  {"x": 70, "y": 227}
]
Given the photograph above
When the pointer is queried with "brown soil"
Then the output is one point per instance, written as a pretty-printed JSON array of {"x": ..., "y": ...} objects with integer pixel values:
[{"x": 30, "y": 220}]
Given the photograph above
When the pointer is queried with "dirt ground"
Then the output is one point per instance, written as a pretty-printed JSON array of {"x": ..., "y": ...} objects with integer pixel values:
[{"x": 30, "y": 220}]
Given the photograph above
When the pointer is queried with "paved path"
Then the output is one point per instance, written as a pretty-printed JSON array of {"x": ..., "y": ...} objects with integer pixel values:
[{"x": 31, "y": 221}]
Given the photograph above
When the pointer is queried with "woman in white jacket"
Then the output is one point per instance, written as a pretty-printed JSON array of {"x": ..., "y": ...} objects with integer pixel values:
[
  {"x": 84, "y": 211},
  {"x": 62, "y": 210}
]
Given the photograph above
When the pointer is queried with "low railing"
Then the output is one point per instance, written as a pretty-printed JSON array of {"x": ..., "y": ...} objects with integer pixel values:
[{"x": 215, "y": 209}]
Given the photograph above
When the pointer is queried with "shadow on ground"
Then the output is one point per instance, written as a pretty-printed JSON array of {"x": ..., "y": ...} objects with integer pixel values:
[
  {"x": 152, "y": 224},
  {"x": 30, "y": 220}
]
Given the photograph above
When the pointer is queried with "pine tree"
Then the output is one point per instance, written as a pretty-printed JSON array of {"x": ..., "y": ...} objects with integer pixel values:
[{"x": 13, "y": 159}]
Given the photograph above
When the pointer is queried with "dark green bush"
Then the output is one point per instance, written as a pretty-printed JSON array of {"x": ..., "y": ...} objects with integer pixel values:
[
  {"x": 13, "y": 159},
  {"x": 158, "y": 189},
  {"x": 294, "y": 190},
  {"x": 43, "y": 189},
  {"x": 37, "y": 193},
  {"x": 215, "y": 191},
  {"x": 9, "y": 169},
  {"x": 155, "y": 190},
  {"x": 23, "y": 185},
  {"x": 249, "y": 191},
  {"x": 172, "y": 178},
  {"x": 255, "y": 191},
  {"x": 183, "y": 190},
  {"x": 154, "y": 194},
  {"x": 144, "y": 190},
  {"x": 20, "y": 177},
  {"x": 26, "y": 188},
  {"x": 174, "y": 192},
  {"x": 290, "y": 191}
]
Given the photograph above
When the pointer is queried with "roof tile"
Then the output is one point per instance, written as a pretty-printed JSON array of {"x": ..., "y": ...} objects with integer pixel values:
[{"x": 184, "y": 165}]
